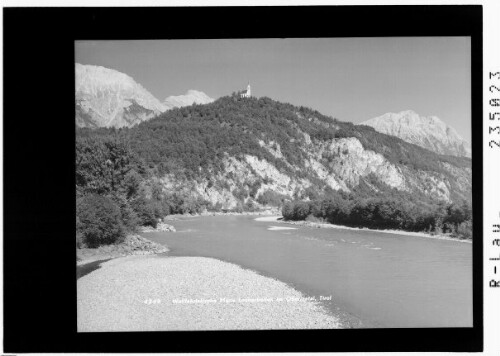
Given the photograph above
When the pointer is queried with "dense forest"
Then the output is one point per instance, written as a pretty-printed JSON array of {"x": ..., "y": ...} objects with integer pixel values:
[
  {"x": 390, "y": 210},
  {"x": 118, "y": 171},
  {"x": 197, "y": 136},
  {"x": 114, "y": 195}
]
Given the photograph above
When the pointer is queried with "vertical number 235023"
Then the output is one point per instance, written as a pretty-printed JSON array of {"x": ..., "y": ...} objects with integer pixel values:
[{"x": 494, "y": 102}]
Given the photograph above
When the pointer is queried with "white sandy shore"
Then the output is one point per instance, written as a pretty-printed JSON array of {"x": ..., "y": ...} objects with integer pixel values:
[
  {"x": 152, "y": 293},
  {"x": 274, "y": 228},
  {"x": 277, "y": 218},
  {"x": 273, "y": 218}
]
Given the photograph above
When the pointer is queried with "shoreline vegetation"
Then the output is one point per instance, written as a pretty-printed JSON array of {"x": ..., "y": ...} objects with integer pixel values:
[
  {"x": 323, "y": 225},
  {"x": 270, "y": 211},
  {"x": 134, "y": 244},
  {"x": 384, "y": 213},
  {"x": 215, "y": 295}
]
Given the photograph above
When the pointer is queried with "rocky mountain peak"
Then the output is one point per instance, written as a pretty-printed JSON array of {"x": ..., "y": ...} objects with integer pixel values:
[
  {"x": 108, "y": 98},
  {"x": 428, "y": 132}
]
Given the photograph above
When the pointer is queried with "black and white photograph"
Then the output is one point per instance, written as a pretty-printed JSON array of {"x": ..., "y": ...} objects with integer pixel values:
[
  {"x": 236, "y": 184},
  {"x": 254, "y": 177}
]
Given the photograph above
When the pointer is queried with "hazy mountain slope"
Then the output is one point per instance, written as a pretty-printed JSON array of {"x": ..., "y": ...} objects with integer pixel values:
[
  {"x": 108, "y": 98},
  {"x": 190, "y": 98},
  {"x": 428, "y": 132},
  {"x": 235, "y": 150}
]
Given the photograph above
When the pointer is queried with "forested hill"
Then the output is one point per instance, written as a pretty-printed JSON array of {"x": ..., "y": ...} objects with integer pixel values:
[{"x": 250, "y": 152}]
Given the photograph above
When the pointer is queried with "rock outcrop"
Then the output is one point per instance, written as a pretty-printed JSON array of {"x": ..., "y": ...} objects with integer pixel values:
[{"x": 342, "y": 164}]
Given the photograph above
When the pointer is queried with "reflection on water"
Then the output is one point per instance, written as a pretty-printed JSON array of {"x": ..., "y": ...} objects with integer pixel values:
[{"x": 386, "y": 280}]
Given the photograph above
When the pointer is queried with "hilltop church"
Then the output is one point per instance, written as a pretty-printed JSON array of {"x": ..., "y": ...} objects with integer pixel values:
[{"x": 246, "y": 93}]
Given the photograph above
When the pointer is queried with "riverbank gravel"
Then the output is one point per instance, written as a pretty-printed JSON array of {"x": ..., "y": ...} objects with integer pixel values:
[{"x": 138, "y": 293}]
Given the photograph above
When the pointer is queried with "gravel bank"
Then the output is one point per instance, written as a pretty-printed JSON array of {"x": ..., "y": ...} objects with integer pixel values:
[{"x": 138, "y": 293}]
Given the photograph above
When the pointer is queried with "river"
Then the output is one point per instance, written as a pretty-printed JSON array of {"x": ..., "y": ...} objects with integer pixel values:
[{"x": 377, "y": 279}]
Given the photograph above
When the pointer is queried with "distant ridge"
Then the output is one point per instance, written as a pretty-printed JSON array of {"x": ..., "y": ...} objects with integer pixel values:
[
  {"x": 427, "y": 132},
  {"x": 191, "y": 97}
]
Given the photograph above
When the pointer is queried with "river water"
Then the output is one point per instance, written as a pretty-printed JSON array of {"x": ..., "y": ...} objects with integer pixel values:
[{"x": 378, "y": 279}]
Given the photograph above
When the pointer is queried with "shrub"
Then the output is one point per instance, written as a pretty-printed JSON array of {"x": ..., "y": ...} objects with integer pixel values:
[
  {"x": 145, "y": 211},
  {"x": 270, "y": 197},
  {"x": 98, "y": 221},
  {"x": 287, "y": 211},
  {"x": 240, "y": 193},
  {"x": 79, "y": 240},
  {"x": 128, "y": 215},
  {"x": 79, "y": 237},
  {"x": 166, "y": 207},
  {"x": 217, "y": 207},
  {"x": 250, "y": 205},
  {"x": 464, "y": 230},
  {"x": 238, "y": 208},
  {"x": 254, "y": 188},
  {"x": 157, "y": 208},
  {"x": 301, "y": 211},
  {"x": 314, "y": 219},
  {"x": 193, "y": 205}
]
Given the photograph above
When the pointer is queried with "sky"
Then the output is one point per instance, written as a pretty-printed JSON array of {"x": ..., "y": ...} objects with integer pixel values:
[{"x": 351, "y": 79}]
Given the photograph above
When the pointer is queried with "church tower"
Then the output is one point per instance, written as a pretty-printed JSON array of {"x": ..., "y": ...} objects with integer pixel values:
[{"x": 247, "y": 93}]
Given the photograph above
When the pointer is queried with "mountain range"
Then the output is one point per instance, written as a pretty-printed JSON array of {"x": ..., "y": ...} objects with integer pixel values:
[
  {"x": 427, "y": 132},
  {"x": 232, "y": 145},
  {"x": 107, "y": 98}
]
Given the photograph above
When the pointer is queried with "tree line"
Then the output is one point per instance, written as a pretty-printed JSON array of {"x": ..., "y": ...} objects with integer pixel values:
[
  {"x": 385, "y": 212},
  {"x": 116, "y": 192}
]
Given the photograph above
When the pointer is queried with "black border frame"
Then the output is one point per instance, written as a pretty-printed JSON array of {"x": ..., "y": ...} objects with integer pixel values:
[{"x": 39, "y": 260}]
